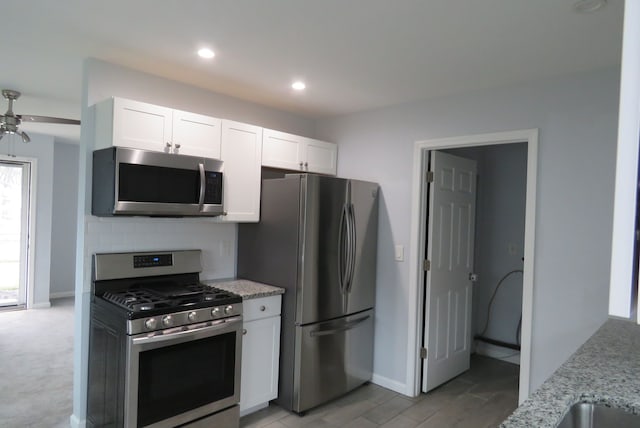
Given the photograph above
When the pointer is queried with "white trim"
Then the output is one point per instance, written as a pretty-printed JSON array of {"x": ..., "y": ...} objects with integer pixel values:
[
  {"x": 417, "y": 245},
  {"x": 621, "y": 281},
  {"x": 31, "y": 252},
  {"x": 41, "y": 305},
  {"x": 76, "y": 422},
  {"x": 61, "y": 295},
  {"x": 498, "y": 352},
  {"x": 393, "y": 385}
]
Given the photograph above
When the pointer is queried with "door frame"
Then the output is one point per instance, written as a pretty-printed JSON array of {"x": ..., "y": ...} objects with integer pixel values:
[
  {"x": 418, "y": 242},
  {"x": 31, "y": 224}
]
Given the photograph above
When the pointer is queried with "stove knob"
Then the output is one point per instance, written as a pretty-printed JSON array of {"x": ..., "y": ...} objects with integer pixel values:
[
  {"x": 167, "y": 320},
  {"x": 150, "y": 323},
  {"x": 228, "y": 309},
  {"x": 215, "y": 312},
  {"x": 192, "y": 316}
]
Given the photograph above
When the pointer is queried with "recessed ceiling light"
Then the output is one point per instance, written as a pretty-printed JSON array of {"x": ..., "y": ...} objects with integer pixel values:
[
  {"x": 206, "y": 53},
  {"x": 589, "y": 5},
  {"x": 298, "y": 85}
]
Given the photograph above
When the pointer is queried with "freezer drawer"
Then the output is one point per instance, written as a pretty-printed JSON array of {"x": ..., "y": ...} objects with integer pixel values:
[{"x": 332, "y": 358}]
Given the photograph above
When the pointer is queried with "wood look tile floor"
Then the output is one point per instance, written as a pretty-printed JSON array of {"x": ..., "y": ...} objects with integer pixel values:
[{"x": 481, "y": 397}]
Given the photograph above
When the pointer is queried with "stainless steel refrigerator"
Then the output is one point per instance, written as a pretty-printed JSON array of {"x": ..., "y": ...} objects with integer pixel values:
[{"x": 317, "y": 238}]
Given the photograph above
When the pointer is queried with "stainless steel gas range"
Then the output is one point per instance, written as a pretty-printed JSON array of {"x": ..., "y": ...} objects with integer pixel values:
[{"x": 164, "y": 349}]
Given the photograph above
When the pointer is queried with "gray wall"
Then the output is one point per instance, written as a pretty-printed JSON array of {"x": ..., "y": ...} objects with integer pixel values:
[
  {"x": 41, "y": 149},
  {"x": 499, "y": 237},
  {"x": 64, "y": 219},
  {"x": 577, "y": 117}
]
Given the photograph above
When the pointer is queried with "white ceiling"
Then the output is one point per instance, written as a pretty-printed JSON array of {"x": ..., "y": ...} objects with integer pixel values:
[{"x": 354, "y": 54}]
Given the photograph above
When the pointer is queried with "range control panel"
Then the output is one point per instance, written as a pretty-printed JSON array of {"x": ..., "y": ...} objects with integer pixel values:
[{"x": 152, "y": 260}]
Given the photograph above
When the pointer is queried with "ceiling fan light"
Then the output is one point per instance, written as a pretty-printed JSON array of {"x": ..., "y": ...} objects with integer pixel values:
[{"x": 25, "y": 137}]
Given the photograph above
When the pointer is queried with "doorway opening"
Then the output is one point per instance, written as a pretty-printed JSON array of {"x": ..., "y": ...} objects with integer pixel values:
[
  {"x": 523, "y": 251},
  {"x": 15, "y": 223}
]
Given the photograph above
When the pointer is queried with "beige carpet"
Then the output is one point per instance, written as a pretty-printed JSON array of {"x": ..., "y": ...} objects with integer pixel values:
[{"x": 36, "y": 366}]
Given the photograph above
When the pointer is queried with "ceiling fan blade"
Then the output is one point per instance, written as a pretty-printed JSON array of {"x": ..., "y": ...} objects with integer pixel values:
[{"x": 47, "y": 119}]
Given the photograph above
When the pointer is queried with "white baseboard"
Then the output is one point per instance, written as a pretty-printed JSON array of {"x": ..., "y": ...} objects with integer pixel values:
[
  {"x": 41, "y": 305},
  {"x": 75, "y": 422},
  {"x": 394, "y": 385},
  {"x": 61, "y": 294},
  {"x": 497, "y": 352}
]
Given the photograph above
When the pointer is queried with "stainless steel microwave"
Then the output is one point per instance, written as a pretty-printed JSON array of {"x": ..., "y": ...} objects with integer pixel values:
[{"x": 140, "y": 182}]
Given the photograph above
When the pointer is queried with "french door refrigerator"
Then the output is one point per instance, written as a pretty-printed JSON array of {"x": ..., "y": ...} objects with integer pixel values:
[{"x": 317, "y": 238}]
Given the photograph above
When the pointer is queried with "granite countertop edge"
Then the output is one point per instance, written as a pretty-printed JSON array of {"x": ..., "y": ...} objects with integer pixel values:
[
  {"x": 245, "y": 288},
  {"x": 603, "y": 370}
]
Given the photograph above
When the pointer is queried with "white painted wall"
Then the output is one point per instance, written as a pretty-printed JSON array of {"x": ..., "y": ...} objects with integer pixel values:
[
  {"x": 576, "y": 116},
  {"x": 64, "y": 219},
  {"x": 41, "y": 149},
  {"x": 500, "y": 213},
  {"x": 218, "y": 241}
]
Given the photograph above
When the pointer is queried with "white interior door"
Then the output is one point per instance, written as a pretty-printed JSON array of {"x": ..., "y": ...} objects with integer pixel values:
[{"x": 447, "y": 329}]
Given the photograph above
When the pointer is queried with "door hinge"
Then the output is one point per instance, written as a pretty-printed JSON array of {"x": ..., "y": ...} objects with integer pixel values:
[
  {"x": 423, "y": 353},
  {"x": 429, "y": 177},
  {"x": 426, "y": 265}
]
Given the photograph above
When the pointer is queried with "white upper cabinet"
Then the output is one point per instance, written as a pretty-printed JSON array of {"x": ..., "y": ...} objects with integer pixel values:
[
  {"x": 128, "y": 123},
  {"x": 293, "y": 152},
  {"x": 196, "y": 134},
  {"x": 321, "y": 157},
  {"x": 241, "y": 153}
]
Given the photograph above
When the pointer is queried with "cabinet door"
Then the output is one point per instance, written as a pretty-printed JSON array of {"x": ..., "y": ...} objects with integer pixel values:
[
  {"x": 320, "y": 157},
  {"x": 281, "y": 150},
  {"x": 141, "y": 125},
  {"x": 196, "y": 135},
  {"x": 241, "y": 152},
  {"x": 260, "y": 357}
]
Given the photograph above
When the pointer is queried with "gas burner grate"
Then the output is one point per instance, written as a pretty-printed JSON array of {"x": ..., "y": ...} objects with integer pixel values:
[{"x": 137, "y": 300}]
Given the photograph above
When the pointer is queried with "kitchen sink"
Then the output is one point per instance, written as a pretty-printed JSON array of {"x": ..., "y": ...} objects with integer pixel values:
[{"x": 588, "y": 415}]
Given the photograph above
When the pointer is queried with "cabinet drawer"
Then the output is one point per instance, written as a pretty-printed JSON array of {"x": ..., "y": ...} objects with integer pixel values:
[{"x": 261, "y": 307}]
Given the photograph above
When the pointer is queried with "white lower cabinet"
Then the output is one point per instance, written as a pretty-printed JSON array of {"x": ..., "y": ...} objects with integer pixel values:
[{"x": 260, "y": 353}]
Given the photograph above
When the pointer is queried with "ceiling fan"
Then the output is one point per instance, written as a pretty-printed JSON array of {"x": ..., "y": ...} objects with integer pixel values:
[{"x": 9, "y": 122}]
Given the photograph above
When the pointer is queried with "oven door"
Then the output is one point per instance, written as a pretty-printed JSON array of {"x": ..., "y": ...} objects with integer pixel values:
[{"x": 176, "y": 376}]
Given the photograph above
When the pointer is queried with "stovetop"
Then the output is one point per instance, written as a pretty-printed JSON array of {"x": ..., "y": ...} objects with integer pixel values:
[{"x": 165, "y": 297}]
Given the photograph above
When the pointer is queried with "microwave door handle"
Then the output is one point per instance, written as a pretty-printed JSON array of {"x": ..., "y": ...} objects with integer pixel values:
[{"x": 203, "y": 185}]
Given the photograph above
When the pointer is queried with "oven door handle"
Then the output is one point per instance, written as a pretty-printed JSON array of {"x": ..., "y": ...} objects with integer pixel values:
[{"x": 208, "y": 329}]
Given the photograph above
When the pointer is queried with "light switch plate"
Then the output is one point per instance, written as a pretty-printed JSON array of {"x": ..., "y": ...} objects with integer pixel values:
[{"x": 399, "y": 253}]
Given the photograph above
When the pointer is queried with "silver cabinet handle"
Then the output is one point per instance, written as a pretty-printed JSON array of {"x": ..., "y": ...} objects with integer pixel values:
[
  {"x": 306, "y": 165},
  {"x": 263, "y": 308},
  {"x": 244, "y": 331},
  {"x": 177, "y": 146},
  {"x": 301, "y": 164},
  {"x": 168, "y": 144}
]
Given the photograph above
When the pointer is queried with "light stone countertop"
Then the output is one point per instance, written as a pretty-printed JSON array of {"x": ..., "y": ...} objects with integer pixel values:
[
  {"x": 604, "y": 370},
  {"x": 245, "y": 288}
]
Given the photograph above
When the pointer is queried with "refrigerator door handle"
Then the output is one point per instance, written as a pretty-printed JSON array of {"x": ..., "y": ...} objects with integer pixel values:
[
  {"x": 344, "y": 327},
  {"x": 351, "y": 247},
  {"x": 343, "y": 233}
]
